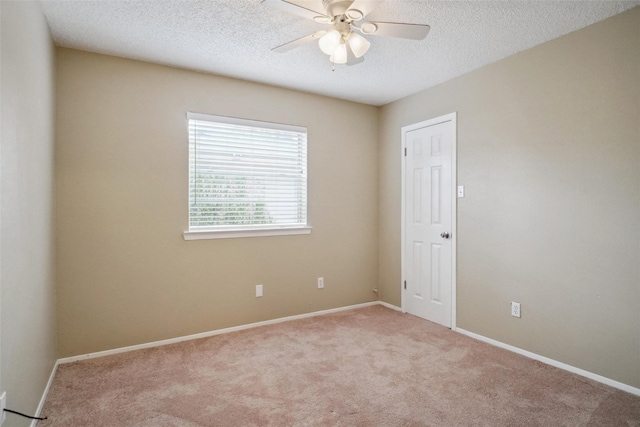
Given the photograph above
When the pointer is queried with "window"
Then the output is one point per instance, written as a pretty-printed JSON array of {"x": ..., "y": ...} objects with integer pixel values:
[{"x": 246, "y": 178}]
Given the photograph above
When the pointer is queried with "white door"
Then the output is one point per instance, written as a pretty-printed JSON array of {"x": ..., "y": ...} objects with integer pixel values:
[{"x": 429, "y": 212}]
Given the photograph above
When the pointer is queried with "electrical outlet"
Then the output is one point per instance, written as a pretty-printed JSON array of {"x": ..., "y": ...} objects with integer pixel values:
[
  {"x": 258, "y": 290},
  {"x": 515, "y": 309},
  {"x": 3, "y": 404},
  {"x": 320, "y": 282}
]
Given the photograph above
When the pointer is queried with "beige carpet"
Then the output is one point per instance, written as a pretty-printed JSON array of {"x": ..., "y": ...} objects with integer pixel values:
[{"x": 366, "y": 367}]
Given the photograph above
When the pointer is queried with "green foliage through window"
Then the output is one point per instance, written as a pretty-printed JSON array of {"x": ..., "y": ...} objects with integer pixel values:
[{"x": 219, "y": 200}]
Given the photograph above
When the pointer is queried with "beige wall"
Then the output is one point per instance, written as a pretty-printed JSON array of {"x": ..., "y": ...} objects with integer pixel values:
[
  {"x": 125, "y": 275},
  {"x": 28, "y": 326},
  {"x": 549, "y": 154}
]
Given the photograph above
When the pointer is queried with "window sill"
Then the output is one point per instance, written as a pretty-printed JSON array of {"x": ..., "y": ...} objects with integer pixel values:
[{"x": 234, "y": 234}]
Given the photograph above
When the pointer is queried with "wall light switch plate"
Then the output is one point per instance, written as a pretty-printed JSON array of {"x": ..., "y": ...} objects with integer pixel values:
[
  {"x": 258, "y": 290},
  {"x": 460, "y": 191},
  {"x": 320, "y": 282}
]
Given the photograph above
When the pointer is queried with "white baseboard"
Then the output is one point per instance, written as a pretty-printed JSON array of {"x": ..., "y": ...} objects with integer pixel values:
[
  {"x": 215, "y": 332},
  {"x": 391, "y": 306},
  {"x": 555, "y": 363},
  {"x": 45, "y": 393}
]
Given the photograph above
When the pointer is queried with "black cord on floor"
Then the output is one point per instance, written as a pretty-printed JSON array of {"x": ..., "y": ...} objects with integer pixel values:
[{"x": 24, "y": 415}]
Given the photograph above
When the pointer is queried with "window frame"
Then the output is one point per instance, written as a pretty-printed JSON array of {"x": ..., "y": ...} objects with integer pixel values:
[{"x": 239, "y": 231}]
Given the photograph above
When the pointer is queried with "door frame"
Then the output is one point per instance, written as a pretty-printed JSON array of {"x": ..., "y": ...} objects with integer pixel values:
[{"x": 453, "y": 118}]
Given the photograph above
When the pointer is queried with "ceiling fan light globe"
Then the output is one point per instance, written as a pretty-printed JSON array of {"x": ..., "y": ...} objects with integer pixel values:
[
  {"x": 358, "y": 44},
  {"x": 330, "y": 42},
  {"x": 339, "y": 55}
]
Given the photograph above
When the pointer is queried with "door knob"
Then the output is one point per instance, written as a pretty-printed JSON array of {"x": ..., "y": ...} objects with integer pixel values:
[{"x": 445, "y": 235}]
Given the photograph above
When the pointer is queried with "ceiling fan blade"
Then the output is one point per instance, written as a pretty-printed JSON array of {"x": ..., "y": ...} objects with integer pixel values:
[
  {"x": 364, "y": 6},
  {"x": 395, "y": 29},
  {"x": 294, "y": 9},
  {"x": 302, "y": 40}
]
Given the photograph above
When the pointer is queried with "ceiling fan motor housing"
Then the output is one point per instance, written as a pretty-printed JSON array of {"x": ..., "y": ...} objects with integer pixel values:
[
  {"x": 342, "y": 26},
  {"x": 336, "y": 7}
]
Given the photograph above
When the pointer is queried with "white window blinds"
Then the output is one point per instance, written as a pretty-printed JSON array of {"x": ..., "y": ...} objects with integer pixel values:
[{"x": 245, "y": 174}]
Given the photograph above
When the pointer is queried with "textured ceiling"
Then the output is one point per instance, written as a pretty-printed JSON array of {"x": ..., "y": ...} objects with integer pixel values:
[{"x": 234, "y": 38}]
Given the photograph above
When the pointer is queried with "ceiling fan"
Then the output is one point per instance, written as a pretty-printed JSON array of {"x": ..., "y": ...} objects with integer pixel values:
[{"x": 341, "y": 42}]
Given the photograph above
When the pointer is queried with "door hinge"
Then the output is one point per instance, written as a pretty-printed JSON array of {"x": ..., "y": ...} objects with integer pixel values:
[
  {"x": 405, "y": 151},
  {"x": 405, "y": 284}
]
